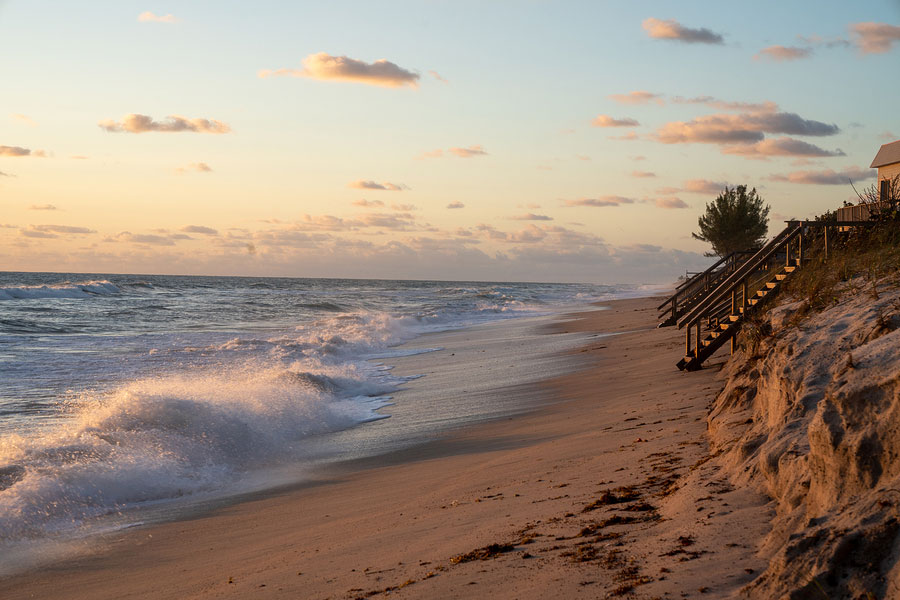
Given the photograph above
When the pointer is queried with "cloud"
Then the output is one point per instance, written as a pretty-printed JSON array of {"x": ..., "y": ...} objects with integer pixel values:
[
  {"x": 637, "y": 97},
  {"x": 372, "y": 185},
  {"x": 874, "y": 38},
  {"x": 783, "y": 146},
  {"x": 601, "y": 201},
  {"x": 23, "y": 119},
  {"x": 34, "y": 233},
  {"x": 582, "y": 157},
  {"x": 468, "y": 152},
  {"x": 78, "y": 157},
  {"x": 887, "y": 136},
  {"x": 783, "y": 53},
  {"x": 740, "y": 129},
  {"x": 671, "y": 203},
  {"x": 642, "y": 174},
  {"x": 199, "y": 167},
  {"x": 150, "y": 239},
  {"x": 437, "y": 76},
  {"x": 395, "y": 222},
  {"x": 703, "y": 186},
  {"x": 149, "y": 17},
  {"x": 531, "y": 217},
  {"x": 52, "y": 231},
  {"x": 456, "y": 205},
  {"x": 2, "y": 174},
  {"x": 199, "y": 229},
  {"x": 712, "y": 102},
  {"x": 134, "y": 123},
  {"x": 63, "y": 229},
  {"x": 325, "y": 67},
  {"x": 671, "y": 29},
  {"x": 368, "y": 203},
  {"x": 42, "y": 207},
  {"x": 628, "y": 137},
  {"x": 826, "y": 177},
  {"x": 831, "y": 42},
  {"x": 607, "y": 121},
  {"x": 20, "y": 151}
]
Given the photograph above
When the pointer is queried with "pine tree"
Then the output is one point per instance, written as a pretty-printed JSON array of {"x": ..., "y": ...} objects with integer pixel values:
[{"x": 736, "y": 220}]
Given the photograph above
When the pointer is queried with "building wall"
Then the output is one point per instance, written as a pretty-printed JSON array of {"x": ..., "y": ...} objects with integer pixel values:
[{"x": 888, "y": 171}]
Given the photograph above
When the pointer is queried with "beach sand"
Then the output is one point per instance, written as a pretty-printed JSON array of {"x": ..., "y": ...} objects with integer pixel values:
[{"x": 513, "y": 508}]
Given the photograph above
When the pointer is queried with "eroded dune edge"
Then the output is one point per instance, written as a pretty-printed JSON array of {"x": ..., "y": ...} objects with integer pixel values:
[{"x": 810, "y": 416}]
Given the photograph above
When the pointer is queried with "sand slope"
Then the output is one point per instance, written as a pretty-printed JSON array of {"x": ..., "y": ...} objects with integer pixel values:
[{"x": 812, "y": 418}]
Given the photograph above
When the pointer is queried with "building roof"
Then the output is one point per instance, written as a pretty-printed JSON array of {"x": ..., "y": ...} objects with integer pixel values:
[{"x": 888, "y": 154}]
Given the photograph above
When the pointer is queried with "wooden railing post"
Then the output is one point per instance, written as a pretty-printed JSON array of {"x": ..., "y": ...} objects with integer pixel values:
[
  {"x": 687, "y": 341},
  {"x": 697, "y": 341},
  {"x": 826, "y": 242},
  {"x": 745, "y": 301}
]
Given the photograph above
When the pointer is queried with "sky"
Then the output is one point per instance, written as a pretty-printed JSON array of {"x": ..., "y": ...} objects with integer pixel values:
[{"x": 516, "y": 140}]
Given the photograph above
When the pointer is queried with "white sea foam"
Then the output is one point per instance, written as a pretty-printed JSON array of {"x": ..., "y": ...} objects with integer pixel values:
[
  {"x": 86, "y": 289},
  {"x": 170, "y": 437}
]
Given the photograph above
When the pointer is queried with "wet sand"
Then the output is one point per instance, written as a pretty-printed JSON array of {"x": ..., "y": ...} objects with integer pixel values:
[{"x": 605, "y": 490}]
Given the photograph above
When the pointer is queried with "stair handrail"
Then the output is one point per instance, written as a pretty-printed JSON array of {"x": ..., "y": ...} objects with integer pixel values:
[
  {"x": 762, "y": 255},
  {"x": 694, "y": 279}
]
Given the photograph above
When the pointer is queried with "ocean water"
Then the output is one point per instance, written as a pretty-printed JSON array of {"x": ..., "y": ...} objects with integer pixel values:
[{"x": 122, "y": 392}]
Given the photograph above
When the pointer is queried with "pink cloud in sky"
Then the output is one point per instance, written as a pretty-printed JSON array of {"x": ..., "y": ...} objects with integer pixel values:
[
  {"x": 712, "y": 102},
  {"x": 670, "y": 203},
  {"x": 149, "y": 17},
  {"x": 742, "y": 128},
  {"x": 628, "y": 137},
  {"x": 874, "y": 38},
  {"x": 468, "y": 152},
  {"x": 456, "y": 205},
  {"x": 637, "y": 97},
  {"x": 703, "y": 186},
  {"x": 23, "y": 119},
  {"x": 783, "y": 146},
  {"x": 197, "y": 167},
  {"x": 531, "y": 217},
  {"x": 202, "y": 229},
  {"x": 18, "y": 151},
  {"x": 607, "y": 121},
  {"x": 783, "y": 53},
  {"x": 670, "y": 29},
  {"x": 600, "y": 202},
  {"x": 134, "y": 123},
  {"x": 327, "y": 67},
  {"x": 825, "y": 177},
  {"x": 368, "y": 203},
  {"x": 373, "y": 185}
]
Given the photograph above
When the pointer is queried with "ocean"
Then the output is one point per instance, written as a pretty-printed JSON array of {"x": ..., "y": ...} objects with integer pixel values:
[{"x": 121, "y": 395}]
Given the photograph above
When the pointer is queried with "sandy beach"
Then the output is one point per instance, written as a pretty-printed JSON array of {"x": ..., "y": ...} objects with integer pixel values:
[{"x": 606, "y": 490}]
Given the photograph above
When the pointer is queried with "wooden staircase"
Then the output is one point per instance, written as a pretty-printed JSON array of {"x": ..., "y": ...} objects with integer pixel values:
[
  {"x": 726, "y": 329},
  {"x": 694, "y": 289},
  {"x": 723, "y": 309}
]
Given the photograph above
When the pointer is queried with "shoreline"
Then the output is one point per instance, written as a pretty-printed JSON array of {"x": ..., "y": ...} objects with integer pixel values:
[{"x": 522, "y": 482}]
